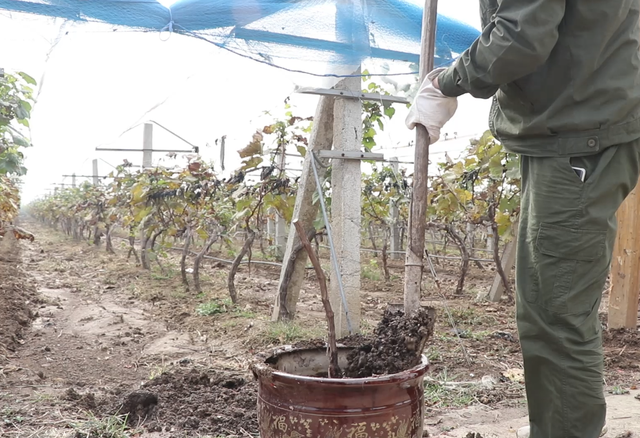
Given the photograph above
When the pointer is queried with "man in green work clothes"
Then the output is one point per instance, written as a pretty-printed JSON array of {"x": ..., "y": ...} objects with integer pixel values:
[{"x": 565, "y": 80}]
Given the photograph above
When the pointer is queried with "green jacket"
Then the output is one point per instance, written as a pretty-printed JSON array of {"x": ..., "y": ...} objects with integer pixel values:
[{"x": 565, "y": 74}]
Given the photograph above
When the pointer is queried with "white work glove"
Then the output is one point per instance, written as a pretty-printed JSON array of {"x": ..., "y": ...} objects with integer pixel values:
[{"x": 431, "y": 108}]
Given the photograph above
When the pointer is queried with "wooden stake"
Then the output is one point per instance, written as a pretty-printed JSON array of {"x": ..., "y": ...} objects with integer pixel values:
[
  {"x": 418, "y": 214},
  {"x": 306, "y": 211},
  {"x": 625, "y": 266},
  {"x": 334, "y": 370},
  {"x": 507, "y": 262}
]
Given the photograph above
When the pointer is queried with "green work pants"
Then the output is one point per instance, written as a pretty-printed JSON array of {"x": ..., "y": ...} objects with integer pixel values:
[{"x": 565, "y": 243}]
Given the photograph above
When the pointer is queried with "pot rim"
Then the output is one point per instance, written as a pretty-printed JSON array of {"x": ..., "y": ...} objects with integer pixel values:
[{"x": 260, "y": 368}]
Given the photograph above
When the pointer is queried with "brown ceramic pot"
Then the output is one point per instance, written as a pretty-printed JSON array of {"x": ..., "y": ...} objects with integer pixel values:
[{"x": 293, "y": 403}]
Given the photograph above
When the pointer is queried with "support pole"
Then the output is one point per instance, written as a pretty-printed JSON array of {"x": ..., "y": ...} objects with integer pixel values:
[
  {"x": 418, "y": 213},
  {"x": 346, "y": 180},
  {"x": 394, "y": 213},
  {"x": 95, "y": 172},
  {"x": 73, "y": 180},
  {"x": 147, "y": 146},
  {"x": 305, "y": 210},
  {"x": 625, "y": 266}
]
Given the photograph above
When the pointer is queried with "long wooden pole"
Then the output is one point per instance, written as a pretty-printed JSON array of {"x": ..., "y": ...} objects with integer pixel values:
[
  {"x": 625, "y": 267},
  {"x": 418, "y": 214}
]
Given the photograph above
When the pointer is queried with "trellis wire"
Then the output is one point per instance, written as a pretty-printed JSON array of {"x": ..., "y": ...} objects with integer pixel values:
[
  {"x": 430, "y": 255},
  {"x": 330, "y": 238}
]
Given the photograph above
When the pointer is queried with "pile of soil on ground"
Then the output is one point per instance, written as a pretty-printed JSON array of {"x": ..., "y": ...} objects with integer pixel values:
[
  {"x": 196, "y": 402},
  {"x": 17, "y": 295},
  {"x": 396, "y": 345}
]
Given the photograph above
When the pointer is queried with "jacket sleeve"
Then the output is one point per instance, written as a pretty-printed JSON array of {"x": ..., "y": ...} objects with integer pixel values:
[{"x": 517, "y": 41}]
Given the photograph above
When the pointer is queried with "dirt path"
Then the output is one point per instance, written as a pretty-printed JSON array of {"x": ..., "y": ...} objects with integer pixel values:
[
  {"x": 91, "y": 343},
  {"x": 623, "y": 420},
  {"x": 86, "y": 337}
]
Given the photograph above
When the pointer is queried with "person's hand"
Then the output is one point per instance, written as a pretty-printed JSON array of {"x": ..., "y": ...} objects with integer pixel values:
[{"x": 431, "y": 108}]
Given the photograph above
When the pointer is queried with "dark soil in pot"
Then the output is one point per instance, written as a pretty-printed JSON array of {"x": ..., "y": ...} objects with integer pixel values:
[{"x": 381, "y": 394}]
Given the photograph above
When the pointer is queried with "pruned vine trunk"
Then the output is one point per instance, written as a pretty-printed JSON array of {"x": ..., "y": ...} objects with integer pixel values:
[
  {"x": 109, "y": 243},
  {"x": 283, "y": 312},
  {"x": 74, "y": 229},
  {"x": 464, "y": 253},
  {"x": 152, "y": 245},
  {"x": 96, "y": 235},
  {"x": 385, "y": 256},
  {"x": 334, "y": 369},
  {"x": 496, "y": 252},
  {"x": 471, "y": 240},
  {"x": 198, "y": 261},
  {"x": 132, "y": 249},
  {"x": 144, "y": 251},
  {"x": 317, "y": 245},
  {"x": 261, "y": 238},
  {"x": 372, "y": 238},
  {"x": 251, "y": 235},
  {"x": 183, "y": 259}
]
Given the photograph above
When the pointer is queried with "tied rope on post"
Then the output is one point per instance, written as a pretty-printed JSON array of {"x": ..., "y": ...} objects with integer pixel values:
[{"x": 169, "y": 26}]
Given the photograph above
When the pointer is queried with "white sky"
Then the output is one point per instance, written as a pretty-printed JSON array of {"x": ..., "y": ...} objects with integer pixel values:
[{"x": 96, "y": 83}]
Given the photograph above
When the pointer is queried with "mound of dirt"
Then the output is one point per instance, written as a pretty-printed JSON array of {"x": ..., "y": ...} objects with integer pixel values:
[
  {"x": 396, "y": 345},
  {"x": 198, "y": 402},
  {"x": 16, "y": 297}
]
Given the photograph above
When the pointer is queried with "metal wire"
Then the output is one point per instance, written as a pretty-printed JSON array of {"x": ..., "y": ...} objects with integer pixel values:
[
  {"x": 472, "y": 259},
  {"x": 330, "y": 239},
  {"x": 446, "y": 306}
]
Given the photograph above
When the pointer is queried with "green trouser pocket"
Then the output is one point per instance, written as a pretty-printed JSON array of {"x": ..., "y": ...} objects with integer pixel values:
[{"x": 569, "y": 258}]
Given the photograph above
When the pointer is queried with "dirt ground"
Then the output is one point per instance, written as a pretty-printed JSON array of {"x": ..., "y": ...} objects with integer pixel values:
[{"x": 86, "y": 337}]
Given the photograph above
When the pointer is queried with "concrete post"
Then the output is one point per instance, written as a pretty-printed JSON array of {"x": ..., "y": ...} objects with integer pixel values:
[
  {"x": 95, "y": 172},
  {"x": 346, "y": 180},
  {"x": 270, "y": 224},
  {"x": 147, "y": 146},
  {"x": 73, "y": 180},
  {"x": 281, "y": 236}
]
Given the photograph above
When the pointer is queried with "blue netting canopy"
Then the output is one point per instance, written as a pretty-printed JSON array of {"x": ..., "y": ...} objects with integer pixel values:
[{"x": 338, "y": 32}]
